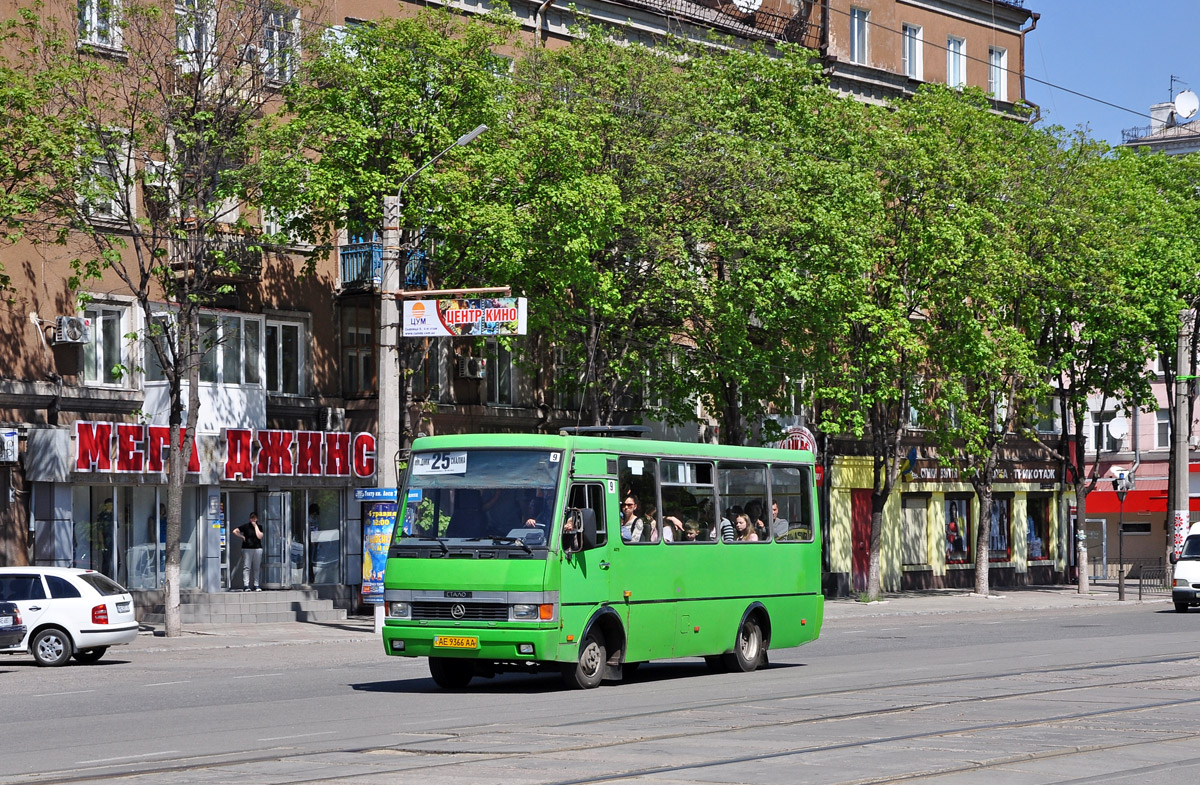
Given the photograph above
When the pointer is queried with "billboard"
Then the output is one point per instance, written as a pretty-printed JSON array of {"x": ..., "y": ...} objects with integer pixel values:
[{"x": 464, "y": 316}]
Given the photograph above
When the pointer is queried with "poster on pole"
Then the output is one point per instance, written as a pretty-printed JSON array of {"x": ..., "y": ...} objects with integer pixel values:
[
  {"x": 377, "y": 536},
  {"x": 464, "y": 316}
]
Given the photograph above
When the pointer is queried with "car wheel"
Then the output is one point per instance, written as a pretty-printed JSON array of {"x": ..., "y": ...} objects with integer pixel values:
[
  {"x": 51, "y": 647},
  {"x": 1181, "y": 607},
  {"x": 88, "y": 656},
  {"x": 451, "y": 674},
  {"x": 747, "y": 652},
  {"x": 589, "y": 671}
]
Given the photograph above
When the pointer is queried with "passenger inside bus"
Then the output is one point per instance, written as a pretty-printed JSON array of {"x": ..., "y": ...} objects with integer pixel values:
[
  {"x": 631, "y": 520},
  {"x": 744, "y": 530}
]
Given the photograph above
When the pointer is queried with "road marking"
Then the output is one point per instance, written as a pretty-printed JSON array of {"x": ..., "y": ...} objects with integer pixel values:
[
  {"x": 131, "y": 757},
  {"x": 165, "y": 683},
  {"x": 257, "y": 675},
  {"x": 74, "y": 692},
  {"x": 297, "y": 736}
]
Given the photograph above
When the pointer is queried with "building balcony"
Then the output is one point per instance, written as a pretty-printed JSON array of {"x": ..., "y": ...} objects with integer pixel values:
[
  {"x": 361, "y": 265},
  {"x": 231, "y": 256}
]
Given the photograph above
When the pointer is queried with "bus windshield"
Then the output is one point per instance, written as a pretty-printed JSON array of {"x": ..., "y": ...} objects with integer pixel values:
[{"x": 463, "y": 497}]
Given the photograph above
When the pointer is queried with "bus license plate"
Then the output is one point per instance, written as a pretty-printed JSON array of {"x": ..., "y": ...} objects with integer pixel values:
[{"x": 455, "y": 642}]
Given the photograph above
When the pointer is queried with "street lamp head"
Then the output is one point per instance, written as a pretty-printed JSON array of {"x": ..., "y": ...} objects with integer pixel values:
[{"x": 469, "y": 137}]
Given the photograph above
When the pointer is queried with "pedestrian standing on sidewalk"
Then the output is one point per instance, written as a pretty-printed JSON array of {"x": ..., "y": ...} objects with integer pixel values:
[{"x": 252, "y": 537}]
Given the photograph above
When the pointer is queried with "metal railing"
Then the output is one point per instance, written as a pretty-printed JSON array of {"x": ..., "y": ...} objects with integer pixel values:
[{"x": 1154, "y": 580}]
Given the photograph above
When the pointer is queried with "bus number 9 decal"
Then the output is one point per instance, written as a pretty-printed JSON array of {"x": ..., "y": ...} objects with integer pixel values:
[{"x": 440, "y": 463}]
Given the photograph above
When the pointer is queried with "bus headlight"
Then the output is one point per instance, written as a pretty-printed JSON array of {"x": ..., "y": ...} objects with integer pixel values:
[
  {"x": 399, "y": 610},
  {"x": 525, "y": 612}
]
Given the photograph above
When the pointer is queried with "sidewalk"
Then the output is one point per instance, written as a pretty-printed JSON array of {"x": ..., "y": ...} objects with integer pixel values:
[
  {"x": 1022, "y": 598},
  {"x": 956, "y": 601}
]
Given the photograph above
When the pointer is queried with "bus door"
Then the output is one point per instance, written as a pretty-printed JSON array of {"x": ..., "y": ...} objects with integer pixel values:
[{"x": 588, "y": 577}]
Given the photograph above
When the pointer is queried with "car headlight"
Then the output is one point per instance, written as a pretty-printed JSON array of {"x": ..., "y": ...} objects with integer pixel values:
[
  {"x": 399, "y": 610},
  {"x": 525, "y": 611}
]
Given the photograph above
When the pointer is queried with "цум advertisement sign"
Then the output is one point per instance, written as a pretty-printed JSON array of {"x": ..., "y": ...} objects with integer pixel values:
[{"x": 464, "y": 316}]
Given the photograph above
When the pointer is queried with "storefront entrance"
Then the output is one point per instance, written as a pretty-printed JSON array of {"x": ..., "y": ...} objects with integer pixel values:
[{"x": 302, "y": 536}]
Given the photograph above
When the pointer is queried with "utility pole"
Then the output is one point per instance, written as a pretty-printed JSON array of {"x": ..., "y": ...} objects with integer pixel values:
[
  {"x": 389, "y": 347},
  {"x": 1183, "y": 428}
]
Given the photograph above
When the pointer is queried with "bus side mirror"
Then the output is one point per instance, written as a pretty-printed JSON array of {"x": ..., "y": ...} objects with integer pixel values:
[
  {"x": 587, "y": 518},
  {"x": 572, "y": 535}
]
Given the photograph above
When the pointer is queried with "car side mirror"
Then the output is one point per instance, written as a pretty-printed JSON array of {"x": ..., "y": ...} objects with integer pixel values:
[
  {"x": 1174, "y": 557},
  {"x": 572, "y": 534}
]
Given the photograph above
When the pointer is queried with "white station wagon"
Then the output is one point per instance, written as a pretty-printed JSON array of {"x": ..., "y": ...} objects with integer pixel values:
[{"x": 69, "y": 612}]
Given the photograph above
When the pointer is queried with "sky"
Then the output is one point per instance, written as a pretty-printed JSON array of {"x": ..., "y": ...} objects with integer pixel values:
[{"x": 1122, "y": 52}]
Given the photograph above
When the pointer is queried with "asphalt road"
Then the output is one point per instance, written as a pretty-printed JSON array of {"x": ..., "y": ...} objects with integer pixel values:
[{"x": 1098, "y": 694}]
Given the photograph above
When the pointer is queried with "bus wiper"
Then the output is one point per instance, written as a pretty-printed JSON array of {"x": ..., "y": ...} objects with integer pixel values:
[
  {"x": 517, "y": 540},
  {"x": 439, "y": 541}
]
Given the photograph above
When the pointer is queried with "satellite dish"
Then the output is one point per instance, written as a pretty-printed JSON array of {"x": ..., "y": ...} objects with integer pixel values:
[
  {"x": 747, "y": 6},
  {"x": 1118, "y": 427},
  {"x": 1186, "y": 104}
]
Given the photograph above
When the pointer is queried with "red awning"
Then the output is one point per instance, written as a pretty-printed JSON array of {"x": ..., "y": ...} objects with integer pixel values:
[{"x": 1141, "y": 500}]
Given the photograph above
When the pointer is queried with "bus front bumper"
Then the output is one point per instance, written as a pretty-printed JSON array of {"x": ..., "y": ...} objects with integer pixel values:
[{"x": 499, "y": 644}]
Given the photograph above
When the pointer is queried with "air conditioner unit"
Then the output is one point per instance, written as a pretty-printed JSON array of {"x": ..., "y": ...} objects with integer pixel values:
[
  {"x": 472, "y": 367},
  {"x": 72, "y": 329},
  {"x": 330, "y": 418},
  {"x": 9, "y": 449}
]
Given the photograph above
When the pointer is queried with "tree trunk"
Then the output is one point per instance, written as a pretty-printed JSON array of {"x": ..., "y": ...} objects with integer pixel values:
[
  {"x": 874, "y": 571},
  {"x": 983, "y": 539}
]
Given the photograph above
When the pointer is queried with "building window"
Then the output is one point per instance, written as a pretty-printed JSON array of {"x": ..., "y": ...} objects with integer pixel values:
[
  {"x": 103, "y": 359},
  {"x": 999, "y": 544},
  {"x": 1162, "y": 434},
  {"x": 1102, "y": 437},
  {"x": 162, "y": 325},
  {"x": 285, "y": 352},
  {"x": 956, "y": 61},
  {"x": 99, "y": 23},
  {"x": 1047, "y": 419},
  {"x": 858, "y": 35},
  {"x": 914, "y": 65},
  {"x": 958, "y": 530},
  {"x": 998, "y": 73},
  {"x": 1037, "y": 528},
  {"x": 501, "y": 375},
  {"x": 427, "y": 376},
  {"x": 280, "y": 43},
  {"x": 102, "y": 190},
  {"x": 913, "y": 532},
  {"x": 358, "y": 350},
  {"x": 193, "y": 34},
  {"x": 232, "y": 348}
]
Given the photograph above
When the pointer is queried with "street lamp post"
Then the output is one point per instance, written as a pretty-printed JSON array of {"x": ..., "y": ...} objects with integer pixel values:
[
  {"x": 391, "y": 407},
  {"x": 1121, "y": 484}
]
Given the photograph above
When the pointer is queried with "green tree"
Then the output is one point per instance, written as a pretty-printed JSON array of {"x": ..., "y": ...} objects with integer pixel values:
[{"x": 158, "y": 111}]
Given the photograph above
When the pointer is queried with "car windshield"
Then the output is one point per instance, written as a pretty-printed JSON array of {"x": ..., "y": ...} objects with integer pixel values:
[
  {"x": 1191, "y": 547},
  {"x": 103, "y": 584},
  {"x": 464, "y": 497}
]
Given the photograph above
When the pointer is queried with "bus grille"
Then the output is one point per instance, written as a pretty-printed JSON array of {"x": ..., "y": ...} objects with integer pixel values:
[{"x": 474, "y": 611}]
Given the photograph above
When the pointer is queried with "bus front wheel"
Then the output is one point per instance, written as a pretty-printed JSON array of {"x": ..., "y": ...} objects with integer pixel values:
[
  {"x": 589, "y": 671},
  {"x": 747, "y": 654},
  {"x": 451, "y": 674}
]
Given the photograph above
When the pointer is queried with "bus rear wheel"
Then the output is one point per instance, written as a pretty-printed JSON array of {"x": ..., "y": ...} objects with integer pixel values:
[
  {"x": 589, "y": 671},
  {"x": 451, "y": 674},
  {"x": 747, "y": 654}
]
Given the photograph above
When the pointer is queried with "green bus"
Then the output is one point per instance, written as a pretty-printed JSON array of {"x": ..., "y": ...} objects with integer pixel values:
[{"x": 590, "y": 555}]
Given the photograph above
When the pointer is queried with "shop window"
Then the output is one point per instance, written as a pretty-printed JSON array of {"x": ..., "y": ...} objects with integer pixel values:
[
  {"x": 913, "y": 529},
  {"x": 958, "y": 530},
  {"x": 1037, "y": 528},
  {"x": 999, "y": 541}
]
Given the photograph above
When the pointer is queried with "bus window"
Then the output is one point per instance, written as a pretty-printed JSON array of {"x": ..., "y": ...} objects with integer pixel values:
[
  {"x": 590, "y": 496},
  {"x": 791, "y": 495},
  {"x": 742, "y": 490},
  {"x": 687, "y": 500},
  {"x": 639, "y": 500}
]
